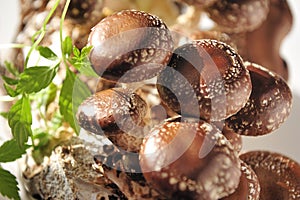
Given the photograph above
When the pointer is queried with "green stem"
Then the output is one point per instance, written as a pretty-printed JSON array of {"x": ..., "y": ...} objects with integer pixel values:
[
  {"x": 41, "y": 33},
  {"x": 61, "y": 30}
]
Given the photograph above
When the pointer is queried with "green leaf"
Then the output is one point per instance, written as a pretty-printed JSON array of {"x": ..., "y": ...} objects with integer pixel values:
[
  {"x": 20, "y": 120},
  {"x": 76, "y": 51},
  {"x": 85, "y": 68},
  {"x": 85, "y": 51},
  {"x": 11, "y": 68},
  {"x": 43, "y": 139},
  {"x": 10, "y": 151},
  {"x": 81, "y": 62},
  {"x": 51, "y": 94},
  {"x": 10, "y": 91},
  {"x": 34, "y": 79},
  {"x": 4, "y": 114},
  {"x": 46, "y": 52},
  {"x": 67, "y": 46},
  {"x": 8, "y": 185},
  {"x": 10, "y": 81},
  {"x": 73, "y": 92}
]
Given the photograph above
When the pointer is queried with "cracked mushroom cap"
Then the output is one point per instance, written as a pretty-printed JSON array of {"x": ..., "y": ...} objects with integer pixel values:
[
  {"x": 268, "y": 106},
  {"x": 130, "y": 46},
  {"x": 189, "y": 160},
  {"x": 278, "y": 175},
  {"x": 238, "y": 15},
  {"x": 205, "y": 79}
]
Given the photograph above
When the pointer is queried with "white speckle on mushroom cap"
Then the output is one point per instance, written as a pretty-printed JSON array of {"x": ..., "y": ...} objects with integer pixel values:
[
  {"x": 118, "y": 113},
  {"x": 220, "y": 82},
  {"x": 131, "y": 45},
  {"x": 278, "y": 175},
  {"x": 248, "y": 188},
  {"x": 268, "y": 106},
  {"x": 239, "y": 15},
  {"x": 190, "y": 160}
]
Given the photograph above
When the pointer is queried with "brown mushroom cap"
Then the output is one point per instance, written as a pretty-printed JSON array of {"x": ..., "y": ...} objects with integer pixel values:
[
  {"x": 206, "y": 79},
  {"x": 248, "y": 188},
  {"x": 130, "y": 46},
  {"x": 189, "y": 160},
  {"x": 262, "y": 45},
  {"x": 118, "y": 113},
  {"x": 268, "y": 106},
  {"x": 111, "y": 109},
  {"x": 239, "y": 15},
  {"x": 278, "y": 175}
]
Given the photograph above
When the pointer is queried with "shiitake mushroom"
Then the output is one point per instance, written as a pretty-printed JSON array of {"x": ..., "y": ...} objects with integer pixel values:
[
  {"x": 249, "y": 188},
  {"x": 278, "y": 175},
  {"x": 268, "y": 106},
  {"x": 184, "y": 159},
  {"x": 189, "y": 160},
  {"x": 117, "y": 113},
  {"x": 262, "y": 45},
  {"x": 238, "y": 15},
  {"x": 130, "y": 46},
  {"x": 205, "y": 79}
]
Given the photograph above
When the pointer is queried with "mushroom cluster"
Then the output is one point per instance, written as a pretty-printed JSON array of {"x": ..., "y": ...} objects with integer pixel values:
[{"x": 175, "y": 114}]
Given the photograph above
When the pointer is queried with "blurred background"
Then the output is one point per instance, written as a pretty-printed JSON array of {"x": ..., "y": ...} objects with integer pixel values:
[{"x": 285, "y": 140}]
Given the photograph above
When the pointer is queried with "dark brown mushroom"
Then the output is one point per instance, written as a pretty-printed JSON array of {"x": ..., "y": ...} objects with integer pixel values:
[
  {"x": 278, "y": 175},
  {"x": 249, "y": 188},
  {"x": 189, "y": 160},
  {"x": 130, "y": 46},
  {"x": 206, "y": 79},
  {"x": 268, "y": 106},
  {"x": 117, "y": 113},
  {"x": 262, "y": 45},
  {"x": 238, "y": 15}
]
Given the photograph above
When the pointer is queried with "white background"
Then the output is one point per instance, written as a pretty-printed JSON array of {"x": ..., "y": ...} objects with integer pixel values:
[{"x": 285, "y": 140}]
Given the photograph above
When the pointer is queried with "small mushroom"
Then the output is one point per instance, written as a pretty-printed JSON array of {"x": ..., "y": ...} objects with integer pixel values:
[
  {"x": 268, "y": 106},
  {"x": 278, "y": 175},
  {"x": 117, "y": 113},
  {"x": 238, "y": 15},
  {"x": 130, "y": 46},
  {"x": 262, "y": 46},
  {"x": 205, "y": 79},
  {"x": 248, "y": 188},
  {"x": 189, "y": 160}
]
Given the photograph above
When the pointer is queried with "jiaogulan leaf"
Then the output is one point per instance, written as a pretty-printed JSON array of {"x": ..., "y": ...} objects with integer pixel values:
[
  {"x": 34, "y": 79},
  {"x": 8, "y": 185}
]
